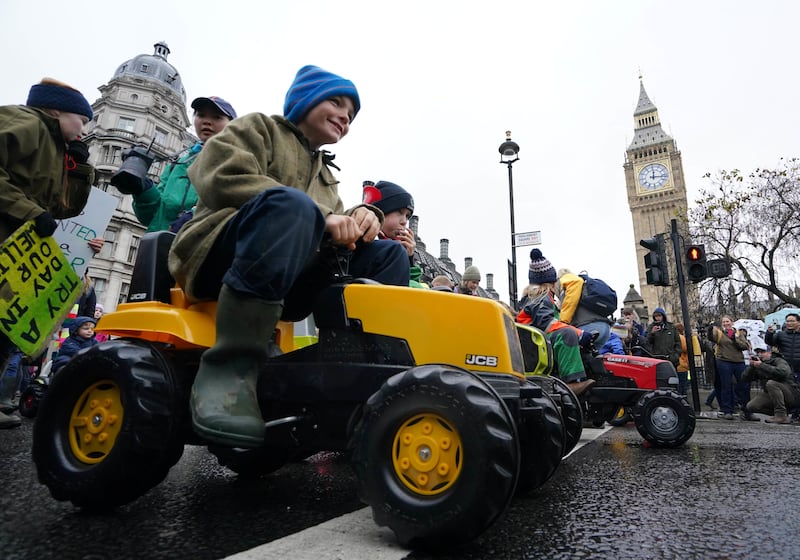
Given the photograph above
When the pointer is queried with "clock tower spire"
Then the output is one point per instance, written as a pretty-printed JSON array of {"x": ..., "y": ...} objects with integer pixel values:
[{"x": 656, "y": 192}]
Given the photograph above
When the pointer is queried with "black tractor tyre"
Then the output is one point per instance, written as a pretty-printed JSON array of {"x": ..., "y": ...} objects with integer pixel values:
[
  {"x": 436, "y": 456},
  {"x": 30, "y": 398},
  {"x": 570, "y": 405},
  {"x": 251, "y": 463},
  {"x": 622, "y": 417},
  {"x": 541, "y": 445},
  {"x": 664, "y": 418},
  {"x": 110, "y": 425}
]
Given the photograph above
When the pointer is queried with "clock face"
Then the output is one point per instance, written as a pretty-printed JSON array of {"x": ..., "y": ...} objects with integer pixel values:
[{"x": 653, "y": 176}]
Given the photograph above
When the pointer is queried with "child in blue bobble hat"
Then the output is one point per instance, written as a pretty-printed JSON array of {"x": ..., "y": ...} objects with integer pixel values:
[{"x": 266, "y": 197}]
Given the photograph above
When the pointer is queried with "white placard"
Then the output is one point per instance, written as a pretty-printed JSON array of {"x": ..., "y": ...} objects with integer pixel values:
[{"x": 73, "y": 234}]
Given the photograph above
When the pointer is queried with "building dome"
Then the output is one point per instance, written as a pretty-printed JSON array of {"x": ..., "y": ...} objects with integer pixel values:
[{"x": 153, "y": 67}]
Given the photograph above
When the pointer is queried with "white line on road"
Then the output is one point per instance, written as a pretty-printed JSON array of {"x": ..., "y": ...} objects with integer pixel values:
[{"x": 353, "y": 536}]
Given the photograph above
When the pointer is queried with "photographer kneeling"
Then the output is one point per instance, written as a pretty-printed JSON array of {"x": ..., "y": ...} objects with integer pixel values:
[{"x": 780, "y": 391}]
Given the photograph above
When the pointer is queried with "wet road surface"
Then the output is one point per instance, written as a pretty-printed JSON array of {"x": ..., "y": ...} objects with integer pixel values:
[{"x": 730, "y": 492}]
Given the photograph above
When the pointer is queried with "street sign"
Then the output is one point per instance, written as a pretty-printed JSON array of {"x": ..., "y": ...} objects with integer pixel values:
[{"x": 529, "y": 238}]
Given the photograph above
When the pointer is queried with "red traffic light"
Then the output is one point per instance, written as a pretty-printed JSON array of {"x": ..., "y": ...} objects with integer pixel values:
[
  {"x": 696, "y": 263},
  {"x": 695, "y": 253}
]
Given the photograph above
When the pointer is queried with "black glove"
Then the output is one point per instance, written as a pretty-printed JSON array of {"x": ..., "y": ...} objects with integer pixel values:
[
  {"x": 45, "y": 224},
  {"x": 79, "y": 151},
  {"x": 587, "y": 338}
]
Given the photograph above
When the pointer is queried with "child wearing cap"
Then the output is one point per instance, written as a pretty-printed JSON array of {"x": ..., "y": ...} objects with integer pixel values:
[
  {"x": 266, "y": 198},
  {"x": 81, "y": 335},
  {"x": 170, "y": 204},
  {"x": 44, "y": 169},
  {"x": 542, "y": 310},
  {"x": 397, "y": 206}
]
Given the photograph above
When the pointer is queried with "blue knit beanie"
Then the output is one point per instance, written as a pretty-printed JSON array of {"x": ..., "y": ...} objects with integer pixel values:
[
  {"x": 387, "y": 196},
  {"x": 50, "y": 94},
  {"x": 312, "y": 86},
  {"x": 541, "y": 271}
]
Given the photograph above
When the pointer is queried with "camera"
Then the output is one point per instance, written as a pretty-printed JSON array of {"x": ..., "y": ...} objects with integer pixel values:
[{"x": 755, "y": 358}]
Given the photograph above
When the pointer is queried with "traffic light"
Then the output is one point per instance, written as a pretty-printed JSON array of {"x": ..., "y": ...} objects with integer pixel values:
[
  {"x": 696, "y": 266},
  {"x": 655, "y": 262}
]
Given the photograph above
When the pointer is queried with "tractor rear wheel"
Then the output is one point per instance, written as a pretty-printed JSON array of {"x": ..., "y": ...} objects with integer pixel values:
[
  {"x": 664, "y": 418},
  {"x": 571, "y": 407},
  {"x": 541, "y": 445}
]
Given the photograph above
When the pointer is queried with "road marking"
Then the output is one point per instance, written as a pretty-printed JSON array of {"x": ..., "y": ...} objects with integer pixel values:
[{"x": 353, "y": 536}]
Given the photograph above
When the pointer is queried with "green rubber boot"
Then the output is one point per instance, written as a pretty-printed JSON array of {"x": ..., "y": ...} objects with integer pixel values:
[
  {"x": 9, "y": 421},
  {"x": 8, "y": 389},
  {"x": 224, "y": 403}
]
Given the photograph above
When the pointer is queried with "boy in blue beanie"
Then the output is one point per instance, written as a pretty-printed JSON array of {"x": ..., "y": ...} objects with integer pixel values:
[
  {"x": 266, "y": 198},
  {"x": 44, "y": 172}
]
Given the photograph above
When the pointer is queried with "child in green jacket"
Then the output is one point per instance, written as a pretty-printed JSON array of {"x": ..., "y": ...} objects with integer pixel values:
[{"x": 170, "y": 204}]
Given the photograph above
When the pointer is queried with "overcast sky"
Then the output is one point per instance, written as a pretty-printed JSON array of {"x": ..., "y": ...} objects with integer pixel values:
[{"x": 441, "y": 82}]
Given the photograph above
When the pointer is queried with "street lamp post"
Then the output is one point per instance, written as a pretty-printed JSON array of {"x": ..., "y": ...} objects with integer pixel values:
[{"x": 508, "y": 155}]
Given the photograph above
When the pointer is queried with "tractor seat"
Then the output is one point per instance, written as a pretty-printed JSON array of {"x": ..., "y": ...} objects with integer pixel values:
[{"x": 151, "y": 280}]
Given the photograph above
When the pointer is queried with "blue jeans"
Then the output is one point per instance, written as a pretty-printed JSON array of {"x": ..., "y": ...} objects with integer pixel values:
[
  {"x": 270, "y": 250},
  {"x": 602, "y": 328},
  {"x": 732, "y": 390},
  {"x": 683, "y": 382}
]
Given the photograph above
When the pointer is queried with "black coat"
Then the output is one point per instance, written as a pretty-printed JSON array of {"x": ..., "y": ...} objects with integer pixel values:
[{"x": 788, "y": 344}]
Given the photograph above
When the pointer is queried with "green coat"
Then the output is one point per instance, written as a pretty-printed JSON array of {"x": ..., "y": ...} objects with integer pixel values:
[
  {"x": 775, "y": 369},
  {"x": 253, "y": 153},
  {"x": 33, "y": 176},
  {"x": 159, "y": 206}
]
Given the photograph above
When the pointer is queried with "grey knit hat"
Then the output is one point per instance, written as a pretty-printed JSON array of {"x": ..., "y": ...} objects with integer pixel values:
[{"x": 471, "y": 273}]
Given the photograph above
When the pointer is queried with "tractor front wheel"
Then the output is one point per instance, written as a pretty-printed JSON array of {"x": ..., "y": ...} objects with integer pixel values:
[
  {"x": 436, "y": 455},
  {"x": 108, "y": 428}
]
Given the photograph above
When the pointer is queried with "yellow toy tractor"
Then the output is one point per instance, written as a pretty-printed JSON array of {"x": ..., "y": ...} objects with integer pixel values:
[{"x": 427, "y": 390}]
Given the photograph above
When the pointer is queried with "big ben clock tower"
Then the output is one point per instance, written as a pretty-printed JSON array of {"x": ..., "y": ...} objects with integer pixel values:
[{"x": 656, "y": 193}]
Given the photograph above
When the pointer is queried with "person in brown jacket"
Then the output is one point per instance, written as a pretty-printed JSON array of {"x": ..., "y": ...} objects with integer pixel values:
[
  {"x": 44, "y": 174},
  {"x": 266, "y": 198},
  {"x": 729, "y": 362}
]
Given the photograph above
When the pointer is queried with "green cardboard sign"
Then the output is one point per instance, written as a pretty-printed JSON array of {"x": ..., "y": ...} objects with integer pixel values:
[{"x": 37, "y": 289}]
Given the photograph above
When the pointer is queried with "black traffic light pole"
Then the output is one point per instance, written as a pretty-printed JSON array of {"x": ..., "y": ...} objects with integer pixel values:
[{"x": 676, "y": 246}]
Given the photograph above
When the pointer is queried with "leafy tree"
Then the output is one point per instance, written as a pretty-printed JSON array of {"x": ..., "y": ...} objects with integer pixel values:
[{"x": 754, "y": 222}]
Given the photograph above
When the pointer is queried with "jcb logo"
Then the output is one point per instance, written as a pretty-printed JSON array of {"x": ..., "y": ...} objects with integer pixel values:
[{"x": 478, "y": 360}]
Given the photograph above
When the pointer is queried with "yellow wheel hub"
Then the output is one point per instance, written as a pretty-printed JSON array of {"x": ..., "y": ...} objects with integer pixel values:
[
  {"x": 95, "y": 422},
  {"x": 427, "y": 454}
]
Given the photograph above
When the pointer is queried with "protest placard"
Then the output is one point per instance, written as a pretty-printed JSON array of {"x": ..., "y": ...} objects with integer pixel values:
[{"x": 37, "y": 288}]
